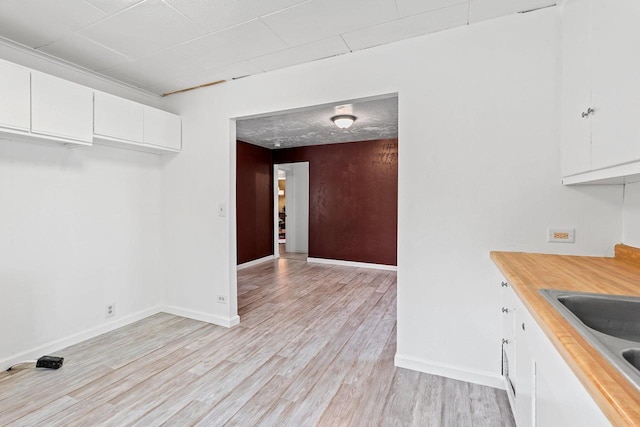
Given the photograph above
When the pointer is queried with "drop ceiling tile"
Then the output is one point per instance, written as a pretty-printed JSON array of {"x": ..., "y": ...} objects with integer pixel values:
[
  {"x": 228, "y": 72},
  {"x": 36, "y": 23},
  {"x": 154, "y": 68},
  {"x": 229, "y": 46},
  {"x": 305, "y": 53},
  {"x": 417, "y": 25},
  {"x": 215, "y": 15},
  {"x": 111, "y": 6},
  {"x": 415, "y": 7},
  {"x": 81, "y": 51},
  {"x": 143, "y": 29},
  {"x": 481, "y": 10},
  {"x": 321, "y": 19}
]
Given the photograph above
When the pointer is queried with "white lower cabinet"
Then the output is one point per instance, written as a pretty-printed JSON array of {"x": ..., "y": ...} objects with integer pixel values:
[
  {"x": 61, "y": 110},
  {"x": 547, "y": 392}
]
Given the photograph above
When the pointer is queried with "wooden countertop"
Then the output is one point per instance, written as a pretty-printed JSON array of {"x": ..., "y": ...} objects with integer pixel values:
[{"x": 527, "y": 273}]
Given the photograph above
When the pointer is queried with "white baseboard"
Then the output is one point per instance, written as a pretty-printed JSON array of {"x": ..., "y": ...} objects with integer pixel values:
[
  {"x": 352, "y": 264},
  {"x": 255, "y": 262},
  {"x": 57, "y": 345},
  {"x": 227, "y": 322},
  {"x": 443, "y": 370}
]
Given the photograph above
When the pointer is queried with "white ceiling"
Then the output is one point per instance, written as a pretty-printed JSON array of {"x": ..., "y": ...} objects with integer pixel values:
[
  {"x": 165, "y": 45},
  {"x": 375, "y": 119}
]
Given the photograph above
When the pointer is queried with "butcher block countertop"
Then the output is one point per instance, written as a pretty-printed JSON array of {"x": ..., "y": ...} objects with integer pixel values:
[{"x": 527, "y": 273}]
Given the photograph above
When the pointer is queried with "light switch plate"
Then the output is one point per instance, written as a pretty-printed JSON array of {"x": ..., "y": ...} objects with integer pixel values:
[{"x": 222, "y": 210}]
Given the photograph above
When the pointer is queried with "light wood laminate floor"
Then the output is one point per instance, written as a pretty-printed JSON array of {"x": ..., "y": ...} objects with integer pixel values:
[{"x": 315, "y": 347}]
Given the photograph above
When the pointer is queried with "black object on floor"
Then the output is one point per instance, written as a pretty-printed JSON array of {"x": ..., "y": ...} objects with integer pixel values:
[{"x": 50, "y": 362}]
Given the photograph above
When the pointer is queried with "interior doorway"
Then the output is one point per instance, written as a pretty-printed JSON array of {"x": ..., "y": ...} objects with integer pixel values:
[{"x": 291, "y": 203}]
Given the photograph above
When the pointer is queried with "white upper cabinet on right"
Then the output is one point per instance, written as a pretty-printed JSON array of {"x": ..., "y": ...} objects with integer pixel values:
[
  {"x": 15, "y": 92},
  {"x": 576, "y": 87},
  {"x": 615, "y": 43},
  {"x": 600, "y": 90}
]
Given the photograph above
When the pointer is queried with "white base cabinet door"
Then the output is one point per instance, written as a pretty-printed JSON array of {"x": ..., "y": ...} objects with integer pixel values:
[
  {"x": 547, "y": 392},
  {"x": 15, "y": 92}
]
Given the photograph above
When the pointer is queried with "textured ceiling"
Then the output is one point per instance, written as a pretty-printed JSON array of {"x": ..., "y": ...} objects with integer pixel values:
[
  {"x": 165, "y": 45},
  {"x": 377, "y": 119}
]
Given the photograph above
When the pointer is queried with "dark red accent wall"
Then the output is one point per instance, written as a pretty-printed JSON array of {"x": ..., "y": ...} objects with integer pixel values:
[
  {"x": 353, "y": 199},
  {"x": 254, "y": 202}
]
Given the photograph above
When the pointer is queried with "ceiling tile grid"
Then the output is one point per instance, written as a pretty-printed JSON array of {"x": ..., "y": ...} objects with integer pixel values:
[
  {"x": 411, "y": 26},
  {"x": 158, "y": 45}
]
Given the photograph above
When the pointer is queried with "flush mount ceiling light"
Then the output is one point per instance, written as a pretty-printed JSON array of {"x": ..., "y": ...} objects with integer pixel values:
[{"x": 343, "y": 121}]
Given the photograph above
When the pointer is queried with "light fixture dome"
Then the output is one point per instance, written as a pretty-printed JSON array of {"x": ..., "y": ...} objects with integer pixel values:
[{"x": 343, "y": 121}]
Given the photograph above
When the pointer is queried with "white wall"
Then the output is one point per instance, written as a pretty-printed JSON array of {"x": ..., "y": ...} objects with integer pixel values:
[
  {"x": 297, "y": 192},
  {"x": 478, "y": 171},
  {"x": 631, "y": 214},
  {"x": 79, "y": 229}
]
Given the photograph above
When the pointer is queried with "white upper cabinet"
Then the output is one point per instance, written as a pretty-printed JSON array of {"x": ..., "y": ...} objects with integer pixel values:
[
  {"x": 117, "y": 118},
  {"x": 162, "y": 129},
  {"x": 600, "y": 87},
  {"x": 576, "y": 87},
  {"x": 15, "y": 92},
  {"x": 616, "y": 83},
  {"x": 37, "y": 106},
  {"x": 61, "y": 110}
]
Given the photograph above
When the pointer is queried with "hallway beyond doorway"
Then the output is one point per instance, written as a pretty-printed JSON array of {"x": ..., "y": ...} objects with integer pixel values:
[{"x": 291, "y": 255}]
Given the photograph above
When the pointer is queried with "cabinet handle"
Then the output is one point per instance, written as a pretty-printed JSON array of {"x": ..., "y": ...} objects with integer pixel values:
[
  {"x": 504, "y": 284},
  {"x": 523, "y": 326},
  {"x": 505, "y": 341},
  {"x": 588, "y": 112},
  {"x": 505, "y": 310}
]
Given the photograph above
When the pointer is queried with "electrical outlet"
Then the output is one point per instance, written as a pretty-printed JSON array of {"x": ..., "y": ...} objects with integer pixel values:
[
  {"x": 222, "y": 299},
  {"x": 561, "y": 235},
  {"x": 110, "y": 310}
]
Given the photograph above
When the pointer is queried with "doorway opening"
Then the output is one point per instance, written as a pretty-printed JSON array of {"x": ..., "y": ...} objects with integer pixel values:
[{"x": 291, "y": 203}]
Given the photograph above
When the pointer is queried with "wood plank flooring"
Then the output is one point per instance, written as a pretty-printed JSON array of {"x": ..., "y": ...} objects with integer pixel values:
[{"x": 315, "y": 346}]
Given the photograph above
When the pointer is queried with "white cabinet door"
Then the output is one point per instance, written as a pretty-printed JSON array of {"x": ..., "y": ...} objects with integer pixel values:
[
  {"x": 61, "y": 109},
  {"x": 117, "y": 118},
  {"x": 162, "y": 129},
  {"x": 616, "y": 82},
  {"x": 15, "y": 92},
  {"x": 576, "y": 87},
  {"x": 525, "y": 372},
  {"x": 508, "y": 323}
]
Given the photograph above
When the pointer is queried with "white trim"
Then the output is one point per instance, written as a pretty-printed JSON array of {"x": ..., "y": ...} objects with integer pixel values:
[
  {"x": 443, "y": 370},
  {"x": 227, "y": 322},
  {"x": 57, "y": 345},
  {"x": 352, "y": 264},
  {"x": 255, "y": 262},
  {"x": 619, "y": 174}
]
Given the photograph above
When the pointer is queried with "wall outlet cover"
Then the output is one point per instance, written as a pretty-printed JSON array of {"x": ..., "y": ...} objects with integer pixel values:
[{"x": 561, "y": 235}]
